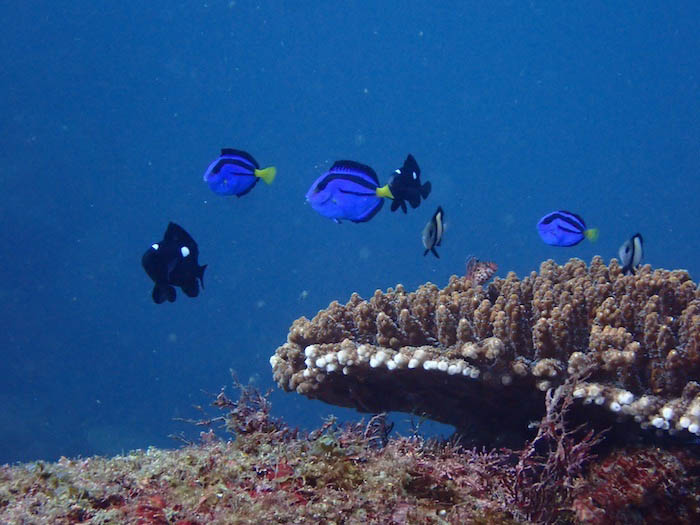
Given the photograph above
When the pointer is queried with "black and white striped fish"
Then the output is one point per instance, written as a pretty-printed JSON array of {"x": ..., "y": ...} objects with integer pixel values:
[
  {"x": 631, "y": 253},
  {"x": 432, "y": 233}
]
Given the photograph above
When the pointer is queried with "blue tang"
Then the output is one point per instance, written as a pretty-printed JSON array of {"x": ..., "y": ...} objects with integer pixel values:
[
  {"x": 236, "y": 172},
  {"x": 174, "y": 262},
  {"x": 563, "y": 228},
  {"x": 349, "y": 190}
]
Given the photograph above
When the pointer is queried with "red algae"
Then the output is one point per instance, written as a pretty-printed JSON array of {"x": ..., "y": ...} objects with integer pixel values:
[{"x": 356, "y": 473}]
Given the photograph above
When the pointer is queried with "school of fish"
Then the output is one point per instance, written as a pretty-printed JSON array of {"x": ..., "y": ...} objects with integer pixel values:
[{"x": 348, "y": 191}]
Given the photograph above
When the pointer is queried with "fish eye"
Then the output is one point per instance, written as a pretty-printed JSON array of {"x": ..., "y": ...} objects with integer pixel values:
[
  {"x": 398, "y": 172},
  {"x": 155, "y": 246},
  {"x": 185, "y": 251},
  {"x": 415, "y": 176}
]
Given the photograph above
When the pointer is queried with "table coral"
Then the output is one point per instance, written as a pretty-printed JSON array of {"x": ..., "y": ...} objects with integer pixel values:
[{"x": 482, "y": 357}]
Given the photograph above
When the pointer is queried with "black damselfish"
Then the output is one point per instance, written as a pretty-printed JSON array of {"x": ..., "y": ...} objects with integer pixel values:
[
  {"x": 173, "y": 262},
  {"x": 405, "y": 185}
]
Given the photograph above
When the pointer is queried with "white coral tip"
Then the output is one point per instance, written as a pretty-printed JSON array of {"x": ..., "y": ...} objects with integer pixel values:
[
  {"x": 658, "y": 422},
  {"x": 625, "y": 397}
]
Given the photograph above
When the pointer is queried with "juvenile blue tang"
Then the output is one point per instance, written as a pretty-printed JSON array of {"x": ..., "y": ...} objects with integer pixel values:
[
  {"x": 349, "y": 190},
  {"x": 173, "y": 262},
  {"x": 563, "y": 228},
  {"x": 236, "y": 172},
  {"x": 405, "y": 185}
]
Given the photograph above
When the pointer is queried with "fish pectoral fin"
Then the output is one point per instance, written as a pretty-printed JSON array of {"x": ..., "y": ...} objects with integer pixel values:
[
  {"x": 398, "y": 203},
  {"x": 161, "y": 292},
  {"x": 267, "y": 174},
  {"x": 425, "y": 190},
  {"x": 385, "y": 192}
]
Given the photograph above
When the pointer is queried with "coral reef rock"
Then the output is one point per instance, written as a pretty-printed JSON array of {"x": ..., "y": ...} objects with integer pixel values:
[{"x": 482, "y": 358}]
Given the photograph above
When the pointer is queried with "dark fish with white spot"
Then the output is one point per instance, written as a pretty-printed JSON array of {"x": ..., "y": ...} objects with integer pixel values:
[
  {"x": 405, "y": 185},
  {"x": 432, "y": 233},
  {"x": 631, "y": 253},
  {"x": 173, "y": 262}
]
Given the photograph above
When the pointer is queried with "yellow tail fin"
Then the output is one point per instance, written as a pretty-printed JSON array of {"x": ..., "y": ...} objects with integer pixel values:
[
  {"x": 267, "y": 174},
  {"x": 384, "y": 191},
  {"x": 592, "y": 234}
]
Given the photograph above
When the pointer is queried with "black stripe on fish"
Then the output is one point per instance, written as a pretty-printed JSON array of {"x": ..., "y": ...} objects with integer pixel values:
[
  {"x": 236, "y": 162},
  {"x": 239, "y": 153},
  {"x": 359, "y": 193},
  {"x": 346, "y": 167},
  {"x": 568, "y": 217},
  {"x": 344, "y": 176}
]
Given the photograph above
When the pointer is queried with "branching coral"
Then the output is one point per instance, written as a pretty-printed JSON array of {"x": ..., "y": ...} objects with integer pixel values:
[{"x": 473, "y": 356}]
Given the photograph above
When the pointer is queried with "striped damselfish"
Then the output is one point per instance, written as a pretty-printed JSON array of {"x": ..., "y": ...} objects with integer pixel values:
[
  {"x": 563, "y": 228},
  {"x": 432, "y": 233},
  {"x": 349, "y": 190},
  {"x": 631, "y": 253},
  {"x": 236, "y": 172}
]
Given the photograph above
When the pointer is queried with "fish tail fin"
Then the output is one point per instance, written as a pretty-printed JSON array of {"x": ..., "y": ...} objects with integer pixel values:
[
  {"x": 592, "y": 234},
  {"x": 384, "y": 191},
  {"x": 425, "y": 190},
  {"x": 267, "y": 174}
]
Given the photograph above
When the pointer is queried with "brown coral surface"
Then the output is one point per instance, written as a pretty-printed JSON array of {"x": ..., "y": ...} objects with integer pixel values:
[
  {"x": 482, "y": 358},
  {"x": 357, "y": 473},
  {"x": 339, "y": 477}
]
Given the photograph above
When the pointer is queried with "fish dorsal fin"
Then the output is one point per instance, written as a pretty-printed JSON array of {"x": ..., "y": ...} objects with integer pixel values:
[
  {"x": 355, "y": 168},
  {"x": 410, "y": 166},
  {"x": 574, "y": 216},
  {"x": 230, "y": 152},
  {"x": 177, "y": 234}
]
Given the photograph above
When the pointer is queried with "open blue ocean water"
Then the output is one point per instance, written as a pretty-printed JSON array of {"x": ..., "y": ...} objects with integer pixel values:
[{"x": 111, "y": 112}]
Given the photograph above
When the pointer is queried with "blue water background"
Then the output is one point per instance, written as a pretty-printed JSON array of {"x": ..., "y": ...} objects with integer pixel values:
[{"x": 111, "y": 111}]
